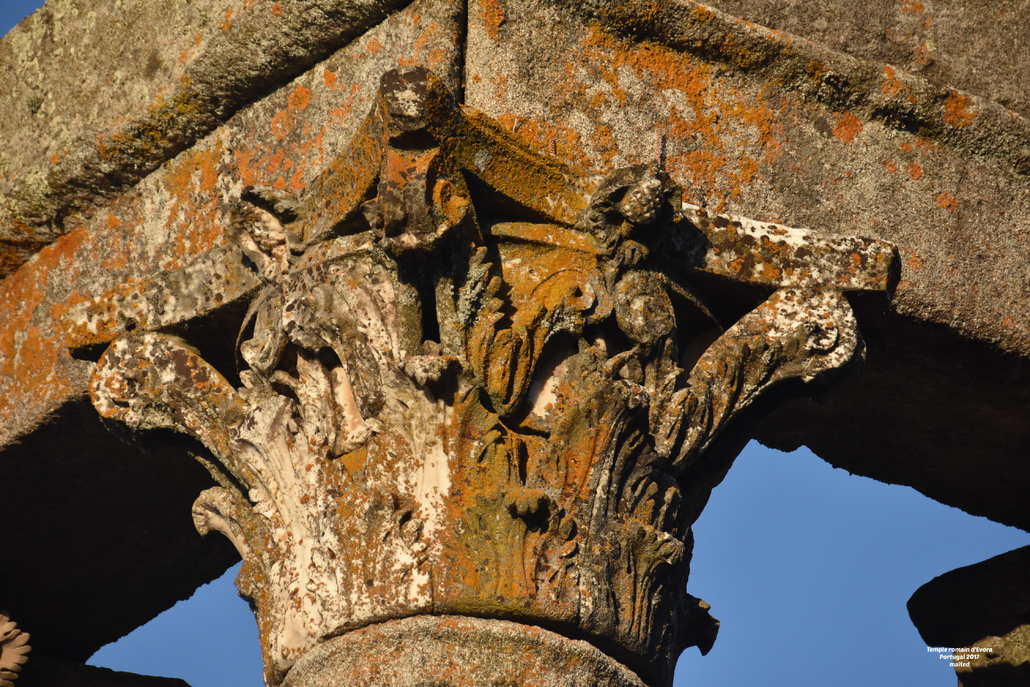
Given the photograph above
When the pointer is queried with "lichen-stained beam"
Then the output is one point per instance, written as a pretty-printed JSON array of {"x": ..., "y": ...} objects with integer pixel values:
[
  {"x": 284, "y": 140},
  {"x": 767, "y": 253},
  {"x": 215, "y": 279},
  {"x": 176, "y": 88},
  {"x": 476, "y": 381},
  {"x": 872, "y": 90}
]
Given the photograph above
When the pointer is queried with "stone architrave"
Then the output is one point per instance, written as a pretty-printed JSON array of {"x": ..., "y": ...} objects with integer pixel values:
[{"x": 478, "y": 391}]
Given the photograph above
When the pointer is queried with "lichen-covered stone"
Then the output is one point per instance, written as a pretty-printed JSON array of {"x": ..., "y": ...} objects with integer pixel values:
[
  {"x": 450, "y": 405},
  {"x": 462, "y": 652},
  {"x": 161, "y": 224},
  {"x": 892, "y": 124},
  {"x": 76, "y": 137}
]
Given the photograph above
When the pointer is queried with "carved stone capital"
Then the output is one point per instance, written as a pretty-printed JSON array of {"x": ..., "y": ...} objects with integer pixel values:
[{"x": 475, "y": 381}]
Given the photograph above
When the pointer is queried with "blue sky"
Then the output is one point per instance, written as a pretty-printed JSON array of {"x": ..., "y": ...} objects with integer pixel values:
[{"x": 807, "y": 567}]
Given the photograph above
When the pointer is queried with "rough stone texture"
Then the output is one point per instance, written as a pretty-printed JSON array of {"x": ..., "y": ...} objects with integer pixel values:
[
  {"x": 768, "y": 125},
  {"x": 760, "y": 123},
  {"x": 177, "y": 212},
  {"x": 983, "y": 606},
  {"x": 479, "y": 380},
  {"x": 77, "y": 480},
  {"x": 453, "y": 651},
  {"x": 978, "y": 47},
  {"x": 75, "y": 137}
]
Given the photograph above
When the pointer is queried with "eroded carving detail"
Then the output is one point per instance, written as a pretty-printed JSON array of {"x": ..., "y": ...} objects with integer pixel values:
[
  {"x": 14, "y": 650},
  {"x": 479, "y": 382}
]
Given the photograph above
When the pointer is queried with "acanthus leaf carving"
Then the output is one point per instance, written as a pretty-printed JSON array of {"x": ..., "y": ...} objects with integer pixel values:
[
  {"x": 14, "y": 650},
  {"x": 477, "y": 381}
]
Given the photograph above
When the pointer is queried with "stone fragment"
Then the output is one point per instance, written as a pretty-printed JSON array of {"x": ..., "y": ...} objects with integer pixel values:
[{"x": 14, "y": 650}]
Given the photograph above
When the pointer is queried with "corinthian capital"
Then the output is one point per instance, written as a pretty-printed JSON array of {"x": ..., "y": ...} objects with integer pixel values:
[{"x": 477, "y": 381}]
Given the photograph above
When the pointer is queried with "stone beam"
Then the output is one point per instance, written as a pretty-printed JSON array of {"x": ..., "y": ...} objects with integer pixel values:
[{"x": 76, "y": 137}]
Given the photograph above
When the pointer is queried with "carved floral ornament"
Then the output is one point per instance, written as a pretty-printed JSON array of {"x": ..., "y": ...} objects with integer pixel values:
[
  {"x": 473, "y": 380},
  {"x": 14, "y": 650}
]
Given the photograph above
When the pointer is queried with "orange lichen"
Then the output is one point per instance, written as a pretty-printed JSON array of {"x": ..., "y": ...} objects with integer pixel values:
[
  {"x": 493, "y": 18},
  {"x": 848, "y": 126},
  {"x": 702, "y": 123},
  {"x": 373, "y": 47},
  {"x": 426, "y": 52},
  {"x": 911, "y": 7},
  {"x": 548, "y": 137},
  {"x": 914, "y": 171},
  {"x": 226, "y": 22},
  {"x": 947, "y": 201},
  {"x": 956, "y": 110},
  {"x": 299, "y": 98},
  {"x": 194, "y": 214},
  {"x": 748, "y": 168},
  {"x": 277, "y": 10},
  {"x": 892, "y": 85},
  {"x": 295, "y": 150},
  {"x": 815, "y": 70},
  {"x": 702, "y": 13},
  {"x": 34, "y": 378}
]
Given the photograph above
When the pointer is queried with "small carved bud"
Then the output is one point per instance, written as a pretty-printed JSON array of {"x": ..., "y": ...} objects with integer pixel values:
[
  {"x": 411, "y": 530},
  {"x": 642, "y": 202}
]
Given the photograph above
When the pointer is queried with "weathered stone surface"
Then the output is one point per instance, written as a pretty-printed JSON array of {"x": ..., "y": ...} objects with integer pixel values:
[
  {"x": 767, "y": 125},
  {"x": 973, "y": 46},
  {"x": 178, "y": 212},
  {"x": 769, "y": 138},
  {"x": 753, "y": 122},
  {"x": 452, "y": 651},
  {"x": 75, "y": 137},
  {"x": 161, "y": 224},
  {"x": 479, "y": 380}
]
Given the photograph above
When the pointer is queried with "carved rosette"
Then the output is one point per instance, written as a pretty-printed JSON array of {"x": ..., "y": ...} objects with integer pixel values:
[
  {"x": 14, "y": 650},
  {"x": 478, "y": 382}
]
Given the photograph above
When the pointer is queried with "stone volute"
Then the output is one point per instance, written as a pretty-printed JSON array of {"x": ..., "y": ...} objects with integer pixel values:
[{"x": 481, "y": 398}]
